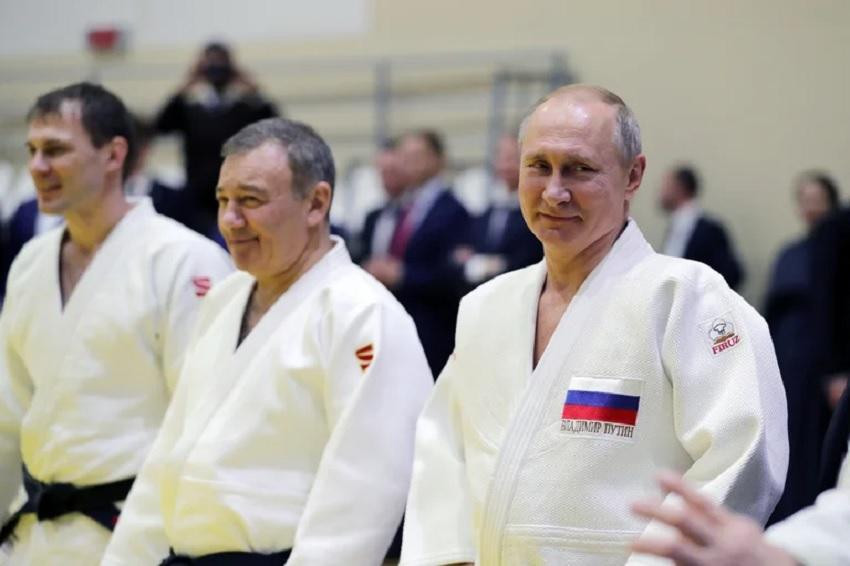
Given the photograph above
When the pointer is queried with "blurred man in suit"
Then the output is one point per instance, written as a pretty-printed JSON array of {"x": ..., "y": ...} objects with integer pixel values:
[
  {"x": 692, "y": 234},
  {"x": 413, "y": 257},
  {"x": 499, "y": 240}
]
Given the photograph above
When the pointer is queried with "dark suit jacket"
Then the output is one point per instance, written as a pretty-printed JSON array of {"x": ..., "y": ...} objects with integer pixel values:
[
  {"x": 831, "y": 328},
  {"x": 789, "y": 315},
  {"x": 709, "y": 244},
  {"x": 19, "y": 230},
  {"x": 429, "y": 290},
  {"x": 517, "y": 244},
  {"x": 831, "y": 293}
]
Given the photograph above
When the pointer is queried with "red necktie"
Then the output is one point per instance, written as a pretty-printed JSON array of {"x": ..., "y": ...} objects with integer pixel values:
[{"x": 401, "y": 234}]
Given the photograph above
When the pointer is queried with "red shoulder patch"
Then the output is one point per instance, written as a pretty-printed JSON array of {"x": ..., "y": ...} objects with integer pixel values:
[
  {"x": 365, "y": 355},
  {"x": 202, "y": 285}
]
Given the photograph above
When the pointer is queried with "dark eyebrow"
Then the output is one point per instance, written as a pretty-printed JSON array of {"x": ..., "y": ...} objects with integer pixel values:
[{"x": 50, "y": 142}]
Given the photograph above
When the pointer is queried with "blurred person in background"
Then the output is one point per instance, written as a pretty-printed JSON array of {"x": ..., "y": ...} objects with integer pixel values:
[
  {"x": 499, "y": 239},
  {"x": 379, "y": 223},
  {"x": 831, "y": 291},
  {"x": 92, "y": 334},
  {"x": 790, "y": 316},
  {"x": 414, "y": 258},
  {"x": 692, "y": 234},
  {"x": 216, "y": 101}
]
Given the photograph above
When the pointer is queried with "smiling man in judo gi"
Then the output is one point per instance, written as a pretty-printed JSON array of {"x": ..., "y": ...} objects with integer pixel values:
[
  {"x": 575, "y": 379},
  {"x": 290, "y": 438},
  {"x": 92, "y": 335}
]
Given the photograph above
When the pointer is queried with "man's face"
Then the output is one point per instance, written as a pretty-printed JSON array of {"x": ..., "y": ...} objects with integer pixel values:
[
  {"x": 573, "y": 187},
  {"x": 69, "y": 173},
  {"x": 419, "y": 161},
  {"x": 390, "y": 167},
  {"x": 671, "y": 194},
  {"x": 812, "y": 202},
  {"x": 266, "y": 225},
  {"x": 216, "y": 67}
]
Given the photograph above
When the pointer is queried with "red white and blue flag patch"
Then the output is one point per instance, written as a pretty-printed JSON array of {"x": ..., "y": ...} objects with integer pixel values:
[{"x": 601, "y": 407}]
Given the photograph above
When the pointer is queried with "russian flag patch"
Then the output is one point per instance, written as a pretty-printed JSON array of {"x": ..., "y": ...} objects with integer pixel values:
[{"x": 602, "y": 407}]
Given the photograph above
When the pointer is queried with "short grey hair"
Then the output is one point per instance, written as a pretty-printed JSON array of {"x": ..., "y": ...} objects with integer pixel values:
[
  {"x": 626, "y": 130},
  {"x": 310, "y": 159}
]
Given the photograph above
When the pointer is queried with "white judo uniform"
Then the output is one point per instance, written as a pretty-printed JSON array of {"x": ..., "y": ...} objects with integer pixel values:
[
  {"x": 84, "y": 387},
  {"x": 817, "y": 535},
  {"x": 655, "y": 364},
  {"x": 300, "y": 437}
]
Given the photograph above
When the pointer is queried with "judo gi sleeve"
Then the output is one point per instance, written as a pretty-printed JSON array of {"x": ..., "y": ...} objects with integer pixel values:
[
  {"x": 376, "y": 382},
  {"x": 438, "y": 525},
  {"x": 185, "y": 274},
  {"x": 818, "y": 534},
  {"x": 729, "y": 410},
  {"x": 16, "y": 391}
]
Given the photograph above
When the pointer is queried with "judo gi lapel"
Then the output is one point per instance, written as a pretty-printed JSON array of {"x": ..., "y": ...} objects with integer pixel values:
[
  {"x": 95, "y": 279},
  {"x": 629, "y": 249},
  {"x": 231, "y": 363},
  {"x": 111, "y": 251}
]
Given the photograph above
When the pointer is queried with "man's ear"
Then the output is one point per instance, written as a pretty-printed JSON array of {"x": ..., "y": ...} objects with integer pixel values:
[
  {"x": 319, "y": 203},
  {"x": 635, "y": 176},
  {"x": 117, "y": 149}
]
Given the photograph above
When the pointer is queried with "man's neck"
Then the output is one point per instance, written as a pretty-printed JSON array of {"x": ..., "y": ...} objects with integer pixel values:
[
  {"x": 566, "y": 273},
  {"x": 88, "y": 227},
  {"x": 269, "y": 289}
]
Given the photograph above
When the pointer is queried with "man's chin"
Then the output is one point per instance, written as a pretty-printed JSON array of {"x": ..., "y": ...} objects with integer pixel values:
[{"x": 50, "y": 205}]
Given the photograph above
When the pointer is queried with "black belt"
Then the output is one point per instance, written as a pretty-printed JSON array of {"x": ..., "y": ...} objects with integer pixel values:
[
  {"x": 228, "y": 559},
  {"x": 51, "y": 500}
]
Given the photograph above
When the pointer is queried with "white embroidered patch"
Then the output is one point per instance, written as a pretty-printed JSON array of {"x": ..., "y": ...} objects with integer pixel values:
[{"x": 721, "y": 333}]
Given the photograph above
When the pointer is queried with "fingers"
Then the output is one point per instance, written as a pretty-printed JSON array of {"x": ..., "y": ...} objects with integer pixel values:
[
  {"x": 690, "y": 524},
  {"x": 673, "y": 483}
]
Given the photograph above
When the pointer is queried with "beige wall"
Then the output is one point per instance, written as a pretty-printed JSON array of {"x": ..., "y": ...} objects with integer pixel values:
[{"x": 751, "y": 91}]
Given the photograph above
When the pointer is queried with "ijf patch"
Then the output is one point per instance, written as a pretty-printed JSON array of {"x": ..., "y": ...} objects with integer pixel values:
[
  {"x": 601, "y": 407},
  {"x": 720, "y": 333},
  {"x": 365, "y": 355},
  {"x": 202, "y": 285}
]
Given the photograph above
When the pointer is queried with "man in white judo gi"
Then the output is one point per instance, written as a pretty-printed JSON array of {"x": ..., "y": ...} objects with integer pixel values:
[
  {"x": 96, "y": 320},
  {"x": 290, "y": 438},
  {"x": 574, "y": 380}
]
